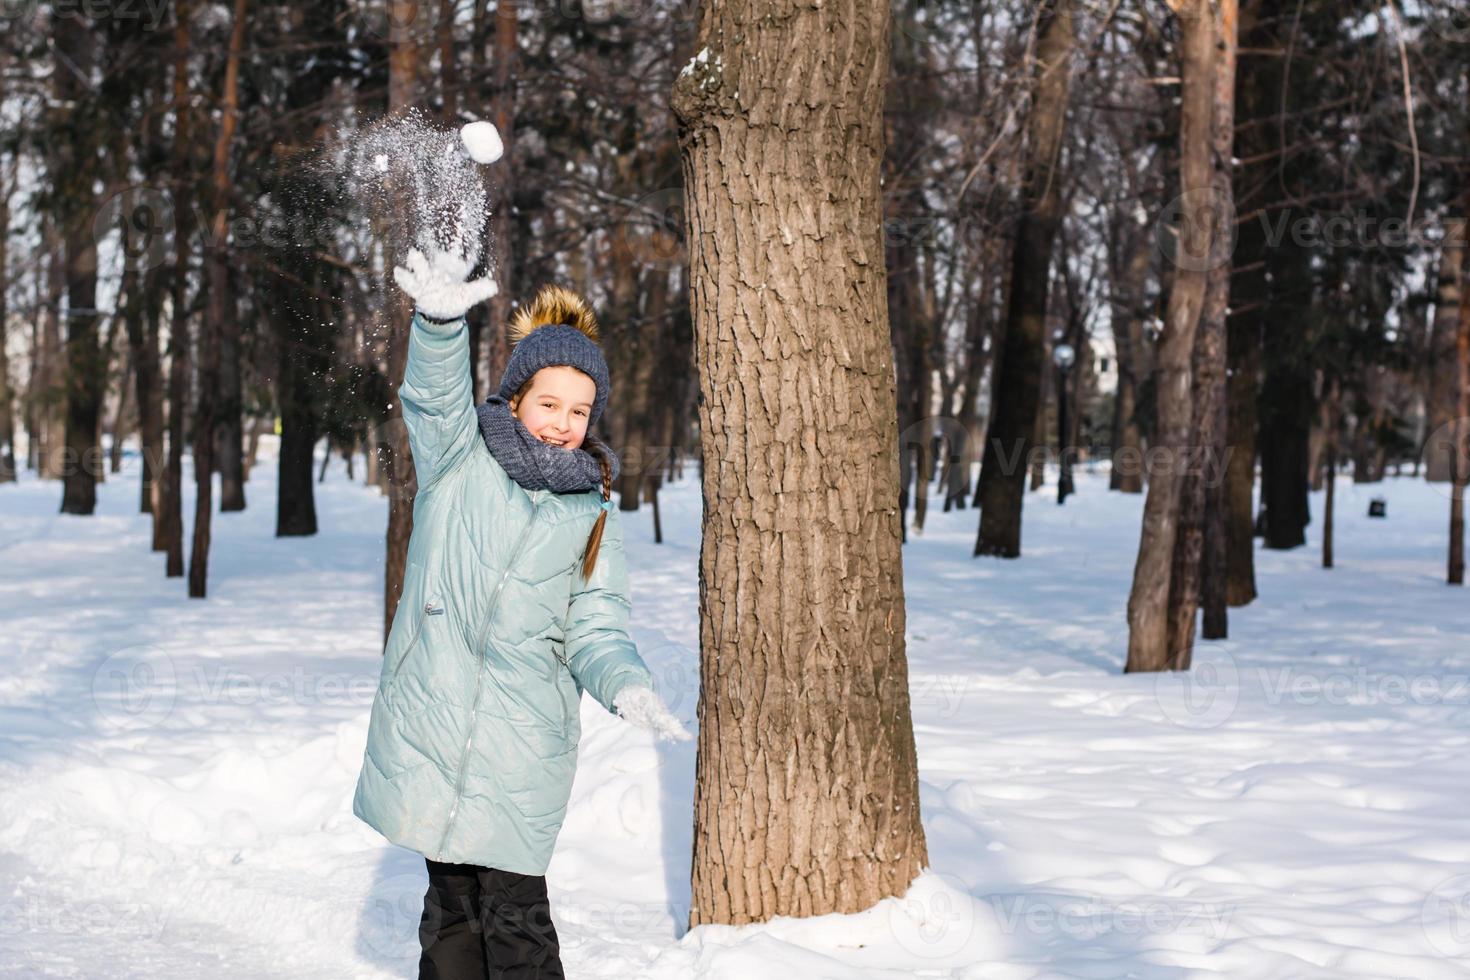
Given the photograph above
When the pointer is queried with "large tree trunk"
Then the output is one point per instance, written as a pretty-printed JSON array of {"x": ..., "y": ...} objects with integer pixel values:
[
  {"x": 1017, "y": 379},
  {"x": 800, "y": 499},
  {"x": 85, "y": 365},
  {"x": 1148, "y": 603}
]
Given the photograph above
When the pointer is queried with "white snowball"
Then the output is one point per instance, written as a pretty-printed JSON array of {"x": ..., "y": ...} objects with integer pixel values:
[
  {"x": 482, "y": 140},
  {"x": 381, "y": 162}
]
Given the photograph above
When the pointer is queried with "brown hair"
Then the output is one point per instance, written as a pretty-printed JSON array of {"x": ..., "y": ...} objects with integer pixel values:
[{"x": 595, "y": 448}]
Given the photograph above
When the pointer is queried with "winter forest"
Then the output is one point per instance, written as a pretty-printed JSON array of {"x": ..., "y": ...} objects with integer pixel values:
[{"x": 1043, "y": 434}]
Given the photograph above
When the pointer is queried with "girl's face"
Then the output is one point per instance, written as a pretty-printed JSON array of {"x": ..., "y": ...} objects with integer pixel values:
[{"x": 557, "y": 405}]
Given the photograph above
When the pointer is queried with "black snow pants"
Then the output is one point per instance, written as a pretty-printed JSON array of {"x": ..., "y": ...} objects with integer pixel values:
[{"x": 486, "y": 924}]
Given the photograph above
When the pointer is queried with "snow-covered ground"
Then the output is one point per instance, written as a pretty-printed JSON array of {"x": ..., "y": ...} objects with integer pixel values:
[{"x": 176, "y": 776}]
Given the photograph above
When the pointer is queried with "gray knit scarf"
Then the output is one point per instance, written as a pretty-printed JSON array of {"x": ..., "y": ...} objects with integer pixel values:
[{"x": 534, "y": 464}]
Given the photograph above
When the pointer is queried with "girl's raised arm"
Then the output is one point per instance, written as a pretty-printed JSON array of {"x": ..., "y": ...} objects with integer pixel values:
[{"x": 437, "y": 392}]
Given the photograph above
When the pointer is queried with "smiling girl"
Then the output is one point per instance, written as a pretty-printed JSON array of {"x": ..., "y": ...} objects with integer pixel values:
[{"x": 515, "y": 601}]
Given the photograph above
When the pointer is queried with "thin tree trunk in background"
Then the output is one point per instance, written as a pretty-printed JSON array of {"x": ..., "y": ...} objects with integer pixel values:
[
  {"x": 403, "y": 56},
  {"x": 1148, "y": 602},
  {"x": 222, "y": 304},
  {"x": 216, "y": 312},
  {"x": 1212, "y": 384},
  {"x": 108, "y": 349},
  {"x": 1243, "y": 354},
  {"x": 1130, "y": 311},
  {"x": 1016, "y": 392},
  {"x": 962, "y": 455},
  {"x": 75, "y": 44},
  {"x": 53, "y": 454},
  {"x": 910, "y": 296},
  {"x": 229, "y": 441},
  {"x": 1287, "y": 399},
  {"x": 1442, "y": 403},
  {"x": 120, "y": 416},
  {"x": 7, "y": 393},
  {"x": 1459, "y": 448},
  {"x": 148, "y": 375},
  {"x": 501, "y": 185},
  {"x": 1257, "y": 96},
  {"x": 168, "y": 533},
  {"x": 638, "y": 438},
  {"x": 1367, "y": 446},
  {"x": 1329, "y": 476},
  {"x": 1040, "y": 441},
  {"x": 448, "y": 73},
  {"x": 32, "y": 414},
  {"x": 143, "y": 348},
  {"x": 804, "y": 322}
]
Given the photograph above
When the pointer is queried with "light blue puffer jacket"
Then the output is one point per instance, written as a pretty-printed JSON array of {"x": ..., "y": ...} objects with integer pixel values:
[{"x": 472, "y": 743}]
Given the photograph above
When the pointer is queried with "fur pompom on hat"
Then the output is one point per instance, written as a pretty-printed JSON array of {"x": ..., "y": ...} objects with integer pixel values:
[{"x": 556, "y": 327}]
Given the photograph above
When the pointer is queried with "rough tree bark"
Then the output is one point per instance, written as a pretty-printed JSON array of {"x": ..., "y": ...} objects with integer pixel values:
[
  {"x": 1199, "y": 548},
  {"x": 806, "y": 788},
  {"x": 1148, "y": 602}
]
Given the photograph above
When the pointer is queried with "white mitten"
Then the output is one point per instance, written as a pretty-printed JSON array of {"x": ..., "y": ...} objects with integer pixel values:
[
  {"x": 639, "y": 705},
  {"x": 437, "y": 284}
]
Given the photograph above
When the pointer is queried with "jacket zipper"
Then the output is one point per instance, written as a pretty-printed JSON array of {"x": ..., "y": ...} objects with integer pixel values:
[
  {"x": 427, "y": 611},
  {"x": 480, "y": 637}
]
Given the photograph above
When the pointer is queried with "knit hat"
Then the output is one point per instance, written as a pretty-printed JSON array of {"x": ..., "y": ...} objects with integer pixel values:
[{"x": 557, "y": 327}]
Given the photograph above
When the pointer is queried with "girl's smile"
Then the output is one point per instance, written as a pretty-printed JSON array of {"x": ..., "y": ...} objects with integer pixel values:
[{"x": 555, "y": 405}]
